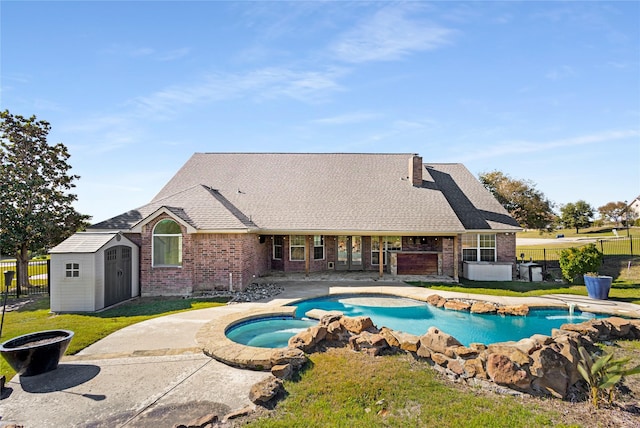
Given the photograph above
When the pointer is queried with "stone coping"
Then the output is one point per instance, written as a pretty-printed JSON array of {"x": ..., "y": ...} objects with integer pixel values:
[{"x": 214, "y": 342}]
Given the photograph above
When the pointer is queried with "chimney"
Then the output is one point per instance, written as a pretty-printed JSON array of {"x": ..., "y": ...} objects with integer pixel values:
[{"x": 415, "y": 170}]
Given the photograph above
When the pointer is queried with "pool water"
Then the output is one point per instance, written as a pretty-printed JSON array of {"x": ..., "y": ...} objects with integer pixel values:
[
  {"x": 271, "y": 332},
  {"x": 410, "y": 316}
]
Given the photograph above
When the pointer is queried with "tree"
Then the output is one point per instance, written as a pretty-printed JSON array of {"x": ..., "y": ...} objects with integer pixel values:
[
  {"x": 36, "y": 211},
  {"x": 613, "y": 211},
  {"x": 578, "y": 215},
  {"x": 526, "y": 204}
]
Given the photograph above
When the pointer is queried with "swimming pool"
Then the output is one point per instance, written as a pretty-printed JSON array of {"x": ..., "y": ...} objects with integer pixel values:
[{"x": 410, "y": 316}]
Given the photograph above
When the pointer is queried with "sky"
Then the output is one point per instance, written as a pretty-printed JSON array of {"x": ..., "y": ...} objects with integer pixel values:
[{"x": 542, "y": 91}]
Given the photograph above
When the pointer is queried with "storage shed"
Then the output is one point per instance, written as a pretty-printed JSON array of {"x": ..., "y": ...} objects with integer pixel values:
[{"x": 93, "y": 270}]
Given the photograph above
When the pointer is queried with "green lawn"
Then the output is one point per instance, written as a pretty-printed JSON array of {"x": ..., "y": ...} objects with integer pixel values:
[
  {"x": 626, "y": 291},
  {"x": 350, "y": 389},
  {"x": 91, "y": 327},
  {"x": 589, "y": 232}
]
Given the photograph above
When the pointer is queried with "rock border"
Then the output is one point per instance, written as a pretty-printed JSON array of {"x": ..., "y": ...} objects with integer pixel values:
[{"x": 539, "y": 365}]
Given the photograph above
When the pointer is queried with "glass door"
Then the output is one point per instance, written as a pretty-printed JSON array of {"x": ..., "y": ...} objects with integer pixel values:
[{"x": 349, "y": 253}]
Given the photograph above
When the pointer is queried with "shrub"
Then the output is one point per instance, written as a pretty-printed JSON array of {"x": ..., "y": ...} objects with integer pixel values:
[
  {"x": 602, "y": 373},
  {"x": 577, "y": 261}
]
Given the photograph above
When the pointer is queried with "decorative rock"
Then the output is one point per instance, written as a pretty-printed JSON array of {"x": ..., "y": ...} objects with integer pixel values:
[
  {"x": 582, "y": 329},
  {"x": 265, "y": 390},
  {"x": 483, "y": 308},
  {"x": 517, "y": 310},
  {"x": 478, "y": 347},
  {"x": 511, "y": 351},
  {"x": 438, "y": 341},
  {"x": 336, "y": 332},
  {"x": 475, "y": 368},
  {"x": 245, "y": 411},
  {"x": 620, "y": 327},
  {"x": 423, "y": 352},
  {"x": 282, "y": 371},
  {"x": 440, "y": 359},
  {"x": 408, "y": 342},
  {"x": 201, "y": 422},
  {"x": 293, "y": 356},
  {"x": 457, "y": 305},
  {"x": 356, "y": 324},
  {"x": 548, "y": 367},
  {"x": 387, "y": 333},
  {"x": 436, "y": 300},
  {"x": 464, "y": 352},
  {"x": 456, "y": 367},
  {"x": 505, "y": 372},
  {"x": 328, "y": 317},
  {"x": 302, "y": 340}
]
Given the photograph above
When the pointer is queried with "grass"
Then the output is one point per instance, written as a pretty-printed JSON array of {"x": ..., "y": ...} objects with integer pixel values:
[
  {"x": 394, "y": 391},
  {"x": 91, "y": 327},
  {"x": 589, "y": 232},
  {"x": 621, "y": 291}
]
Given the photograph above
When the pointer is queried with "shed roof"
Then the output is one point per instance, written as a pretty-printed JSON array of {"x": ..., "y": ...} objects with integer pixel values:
[
  {"x": 84, "y": 242},
  {"x": 322, "y": 192}
]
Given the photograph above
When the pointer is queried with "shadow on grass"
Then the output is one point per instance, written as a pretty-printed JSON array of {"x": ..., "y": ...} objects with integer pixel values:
[
  {"x": 144, "y": 306},
  {"x": 152, "y": 306}
]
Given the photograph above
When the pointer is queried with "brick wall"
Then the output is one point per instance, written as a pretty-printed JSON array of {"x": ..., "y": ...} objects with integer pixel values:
[
  {"x": 209, "y": 262},
  {"x": 164, "y": 281},
  {"x": 447, "y": 255},
  {"x": 506, "y": 249}
]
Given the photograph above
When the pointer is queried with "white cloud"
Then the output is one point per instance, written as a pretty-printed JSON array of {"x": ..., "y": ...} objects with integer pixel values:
[
  {"x": 266, "y": 83},
  {"x": 390, "y": 35},
  {"x": 347, "y": 118},
  {"x": 519, "y": 147}
]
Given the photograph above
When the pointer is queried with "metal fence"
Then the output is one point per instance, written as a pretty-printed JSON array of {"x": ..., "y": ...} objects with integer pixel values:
[
  {"x": 38, "y": 278},
  {"x": 549, "y": 258}
]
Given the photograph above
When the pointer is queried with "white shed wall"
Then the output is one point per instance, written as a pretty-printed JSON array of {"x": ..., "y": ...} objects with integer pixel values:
[
  {"x": 85, "y": 293},
  {"x": 72, "y": 294}
]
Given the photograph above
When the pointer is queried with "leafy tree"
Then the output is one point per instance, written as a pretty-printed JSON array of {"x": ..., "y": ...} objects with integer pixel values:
[
  {"x": 526, "y": 204},
  {"x": 578, "y": 215},
  {"x": 613, "y": 211},
  {"x": 36, "y": 211}
]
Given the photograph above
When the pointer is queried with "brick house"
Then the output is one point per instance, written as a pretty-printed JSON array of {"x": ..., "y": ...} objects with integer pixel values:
[{"x": 226, "y": 218}]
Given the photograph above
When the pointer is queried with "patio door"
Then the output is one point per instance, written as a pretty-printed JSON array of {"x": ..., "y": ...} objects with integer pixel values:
[{"x": 349, "y": 253}]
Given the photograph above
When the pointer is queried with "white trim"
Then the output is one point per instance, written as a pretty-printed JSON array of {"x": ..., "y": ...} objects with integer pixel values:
[{"x": 137, "y": 228}]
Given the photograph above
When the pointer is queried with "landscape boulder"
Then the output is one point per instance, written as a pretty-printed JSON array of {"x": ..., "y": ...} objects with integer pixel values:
[{"x": 265, "y": 390}]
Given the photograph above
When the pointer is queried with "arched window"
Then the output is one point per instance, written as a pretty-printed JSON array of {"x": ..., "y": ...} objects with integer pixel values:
[{"x": 167, "y": 244}]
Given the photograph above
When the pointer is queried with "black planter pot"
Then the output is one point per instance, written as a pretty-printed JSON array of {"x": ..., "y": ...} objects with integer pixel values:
[{"x": 36, "y": 353}]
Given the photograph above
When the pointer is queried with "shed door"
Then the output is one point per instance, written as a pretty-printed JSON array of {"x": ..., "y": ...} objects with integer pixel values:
[{"x": 117, "y": 274}]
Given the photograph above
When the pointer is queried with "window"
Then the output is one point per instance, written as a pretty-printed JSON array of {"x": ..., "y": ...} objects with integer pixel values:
[
  {"x": 297, "y": 248},
  {"x": 278, "y": 242},
  {"x": 479, "y": 248},
  {"x": 388, "y": 243},
  {"x": 72, "y": 270},
  {"x": 167, "y": 244},
  {"x": 318, "y": 247}
]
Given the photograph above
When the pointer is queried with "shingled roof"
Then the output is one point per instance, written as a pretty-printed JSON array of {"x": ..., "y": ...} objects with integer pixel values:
[{"x": 322, "y": 193}]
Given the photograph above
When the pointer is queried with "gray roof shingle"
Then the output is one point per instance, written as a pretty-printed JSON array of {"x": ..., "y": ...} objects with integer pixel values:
[{"x": 331, "y": 192}]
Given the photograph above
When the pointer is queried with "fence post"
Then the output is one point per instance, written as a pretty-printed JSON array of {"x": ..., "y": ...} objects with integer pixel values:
[
  {"x": 49, "y": 277},
  {"x": 601, "y": 246},
  {"x": 631, "y": 244},
  {"x": 18, "y": 276},
  {"x": 544, "y": 258}
]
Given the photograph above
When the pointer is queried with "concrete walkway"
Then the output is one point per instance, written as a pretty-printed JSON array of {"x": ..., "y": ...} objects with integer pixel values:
[{"x": 153, "y": 374}]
